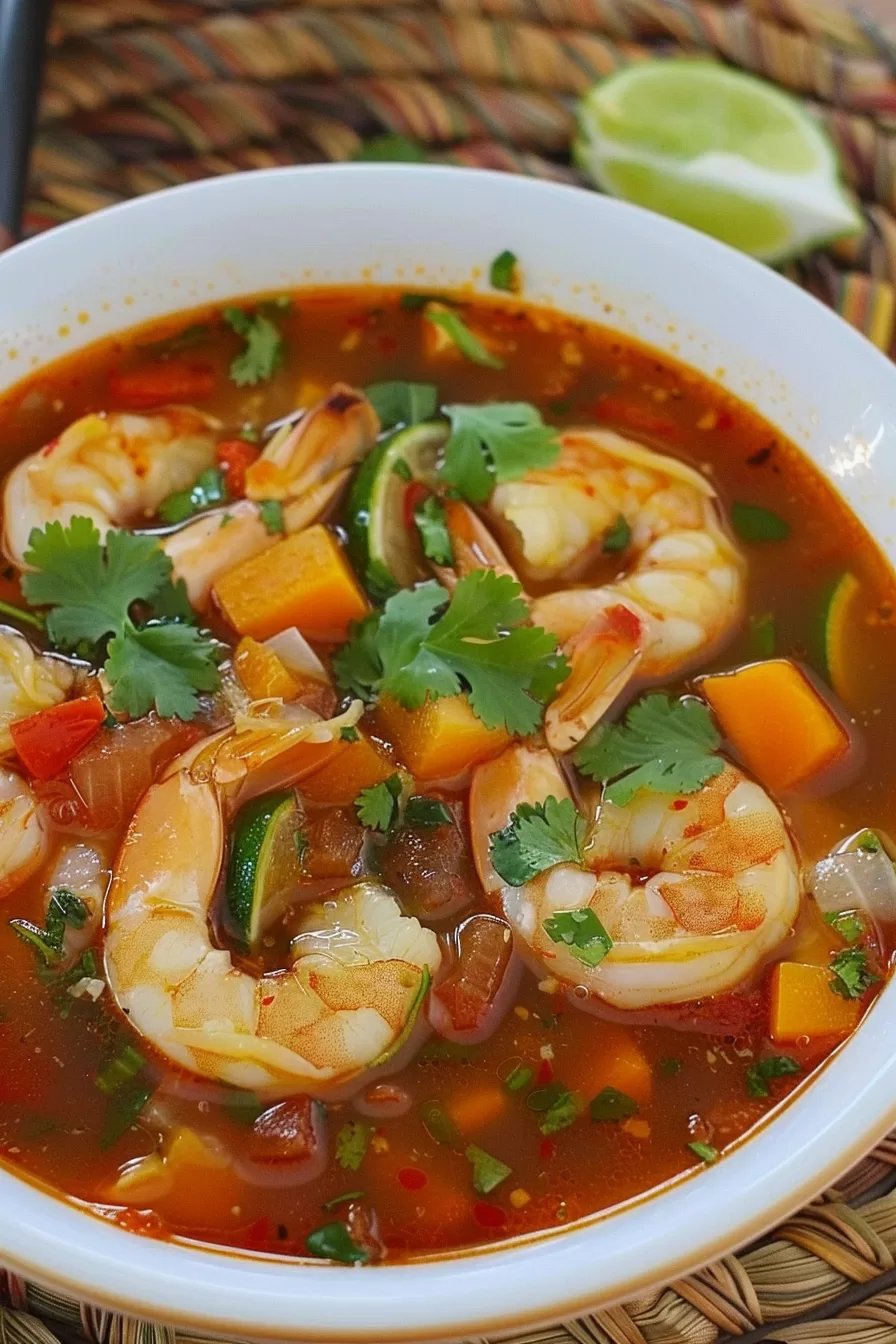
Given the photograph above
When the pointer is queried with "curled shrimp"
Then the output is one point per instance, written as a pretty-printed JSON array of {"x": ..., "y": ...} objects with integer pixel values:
[
  {"x": 305, "y": 467},
  {"x": 679, "y": 597},
  {"x": 113, "y": 468},
  {"x": 693, "y": 890},
  {"x": 23, "y": 832},
  {"x": 29, "y": 682},
  {"x": 361, "y": 968}
]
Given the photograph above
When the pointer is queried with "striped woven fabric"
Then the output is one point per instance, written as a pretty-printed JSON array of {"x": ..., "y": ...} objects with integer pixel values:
[{"x": 143, "y": 94}]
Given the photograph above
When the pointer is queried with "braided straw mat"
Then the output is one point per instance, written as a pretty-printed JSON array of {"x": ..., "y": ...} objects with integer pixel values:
[{"x": 143, "y": 94}]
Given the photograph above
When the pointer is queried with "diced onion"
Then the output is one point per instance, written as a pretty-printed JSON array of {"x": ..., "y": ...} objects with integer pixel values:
[
  {"x": 296, "y": 654},
  {"x": 87, "y": 986},
  {"x": 856, "y": 880}
]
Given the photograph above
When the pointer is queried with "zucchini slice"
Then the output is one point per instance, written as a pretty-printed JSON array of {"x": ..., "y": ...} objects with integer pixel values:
[
  {"x": 265, "y": 862},
  {"x": 382, "y": 549}
]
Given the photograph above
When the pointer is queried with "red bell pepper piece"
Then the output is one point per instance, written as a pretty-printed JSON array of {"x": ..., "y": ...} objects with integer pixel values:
[
  {"x": 161, "y": 384},
  {"x": 48, "y": 740},
  {"x": 234, "y": 456}
]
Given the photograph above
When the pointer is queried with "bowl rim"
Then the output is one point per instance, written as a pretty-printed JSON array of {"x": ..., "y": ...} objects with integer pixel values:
[{"x": 485, "y": 1289}]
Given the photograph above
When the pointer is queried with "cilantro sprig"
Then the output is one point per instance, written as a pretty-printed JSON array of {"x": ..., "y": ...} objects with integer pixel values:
[
  {"x": 495, "y": 443},
  {"x": 264, "y": 349},
  {"x": 91, "y": 589},
  {"x": 583, "y": 934},
  {"x": 427, "y": 643},
  {"x": 665, "y": 745},
  {"x": 352, "y": 1143},
  {"x": 537, "y": 837},
  {"x": 377, "y": 807},
  {"x": 850, "y": 973}
]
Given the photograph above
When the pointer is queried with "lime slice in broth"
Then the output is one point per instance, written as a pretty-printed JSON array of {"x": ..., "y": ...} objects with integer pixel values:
[{"x": 719, "y": 150}]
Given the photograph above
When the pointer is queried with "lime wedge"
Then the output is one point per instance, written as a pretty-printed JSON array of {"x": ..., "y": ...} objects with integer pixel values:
[{"x": 719, "y": 150}]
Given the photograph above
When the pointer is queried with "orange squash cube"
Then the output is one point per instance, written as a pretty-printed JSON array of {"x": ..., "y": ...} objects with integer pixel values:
[
  {"x": 359, "y": 765},
  {"x": 304, "y": 580},
  {"x": 778, "y": 723},
  {"x": 262, "y": 673},
  {"x": 440, "y": 739},
  {"x": 803, "y": 1004}
]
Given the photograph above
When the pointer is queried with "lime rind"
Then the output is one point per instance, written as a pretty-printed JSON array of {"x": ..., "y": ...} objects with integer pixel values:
[
  {"x": 632, "y": 141},
  {"x": 254, "y": 838}
]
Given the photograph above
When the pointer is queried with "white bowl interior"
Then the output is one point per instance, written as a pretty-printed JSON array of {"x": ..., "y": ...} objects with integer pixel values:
[{"x": 820, "y": 383}]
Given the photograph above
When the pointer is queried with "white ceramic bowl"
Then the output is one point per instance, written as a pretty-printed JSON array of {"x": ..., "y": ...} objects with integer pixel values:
[{"x": 809, "y": 373}]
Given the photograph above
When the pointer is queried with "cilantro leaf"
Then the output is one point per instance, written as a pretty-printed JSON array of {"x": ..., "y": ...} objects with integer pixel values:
[
  {"x": 164, "y": 664},
  {"x": 210, "y": 489},
  {"x": 704, "y": 1151},
  {"x": 665, "y": 745},
  {"x": 398, "y": 403},
  {"x": 868, "y": 842},
  {"x": 352, "y": 1143},
  {"x": 456, "y": 329},
  {"x": 538, "y": 836},
  {"x": 91, "y": 590},
  {"x": 488, "y": 1171},
  {"x": 333, "y": 1241},
  {"x": 271, "y": 513},
  {"x": 171, "y": 603},
  {"x": 264, "y": 350},
  {"x": 495, "y": 443},
  {"x": 563, "y": 1111},
  {"x": 582, "y": 932},
  {"x": 356, "y": 665},
  {"x": 851, "y": 974},
  {"x": 616, "y": 537},
  {"x": 429, "y": 517},
  {"x": 504, "y": 272},
  {"x": 848, "y": 923},
  {"x": 611, "y": 1104},
  {"x": 773, "y": 1066},
  {"x": 427, "y": 813},
  {"x": 377, "y": 807}
]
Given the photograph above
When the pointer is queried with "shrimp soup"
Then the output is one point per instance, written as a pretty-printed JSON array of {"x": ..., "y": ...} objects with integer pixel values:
[{"x": 428, "y": 817}]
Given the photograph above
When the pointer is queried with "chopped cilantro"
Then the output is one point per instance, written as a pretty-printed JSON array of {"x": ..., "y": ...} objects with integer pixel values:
[
  {"x": 333, "y": 1241},
  {"x": 848, "y": 923},
  {"x": 349, "y": 734},
  {"x": 851, "y": 975},
  {"x": 611, "y": 1104},
  {"x": 617, "y": 537},
  {"x": 504, "y": 273},
  {"x": 582, "y": 932},
  {"x": 427, "y": 812},
  {"x": 250, "y": 433},
  {"x": 398, "y": 403},
  {"x": 704, "y": 1151},
  {"x": 669, "y": 1066},
  {"x": 563, "y": 1111},
  {"x": 543, "y": 1098},
  {"x": 456, "y": 329},
  {"x": 348, "y": 1198},
  {"x": 264, "y": 351},
  {"x": 352, "y": 1143},
  {"x": 538, "y": 836},
  {"x": 774, "y": 1066},
  {"x": 494, "y": 443},
  {"x": 391, "y": 147},
  {"x": 438, "y": 1123},
  {"x": 518, "y": 1078},
  {"x": 65, "y": 908},
  {"x": 377, "y": 807},
  {"x": 429, "y": 517},
  {"x": 122, "y": 1112},
  {"x": 210, "y": 489},
  {"x": 91, "y": 588},
  {"x": 665, "y": 745},
  {"x": 869, "y": 842},
  {"x": 120, "y": 1070},
  {"x": 271, "y": 514},
  {"x": 488, "y": 1171},
  {"x": 753, "y": 523},
  {"x": 418, "y": 648}
]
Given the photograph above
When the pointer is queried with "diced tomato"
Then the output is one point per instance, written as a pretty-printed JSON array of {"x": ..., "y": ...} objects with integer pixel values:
[
  {"x": 234, "y": 456},
  {"x": 470, "y": 992},
  {"x": 48, "y": 740},
  {"x": 545, "y": 1072},
  {"x": 412, "y": 1178},
  {"x": 413, "y": 495},
  {"x": 489, "y": 1215},
  {"x": 546, "y": 1150},
  {"x": 160, "y": 384}
]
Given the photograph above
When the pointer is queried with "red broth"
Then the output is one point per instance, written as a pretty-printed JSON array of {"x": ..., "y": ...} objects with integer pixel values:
[{"x": 388, "y": 1158}]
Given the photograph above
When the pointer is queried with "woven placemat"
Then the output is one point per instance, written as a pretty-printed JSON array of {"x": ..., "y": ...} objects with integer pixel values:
[{"x": 143, "y": 94}]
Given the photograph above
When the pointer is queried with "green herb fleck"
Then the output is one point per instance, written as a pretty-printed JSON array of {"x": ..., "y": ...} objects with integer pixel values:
[
  {"x": 122, "y": 1112},
  {"x": 617, "y": 537},
  {"x": 333, "y": 1241},
  {"x": 438, "y": 1124},
  {"x": 764, "y": 1070},
  {"x": 704, "y": 1151},
  {"x": 504, "y": 273},
  {"x": 427, "y": 812},
  {"x": 518, "y": 1078},
  {"x": 537, "y": 837},
  {"x": 583, "y": 934},
  {"x": 377, "y": 807},
  {"x": 488, "y": 1171},
  {"x": 753, "y": 523},
  {"x": 851, "y": 975},
  {"x": 348, "y": 1198},
  {"x": 352, "y": 1143},
  {"x": 495, "y": 443},
  {"x": 611, "y": 1104},
  {"x": 124, "y": 1067},
  {"x": 210, "y": 489},
  {"x": 264, "y": 350},
  {"x": 669, "y": 1066},
  {"x": 456, "y": 329},
  {"x": 563, "y": 1111},
  {"x": 349, "y": 734},
  {"x": 848, "y": 923},
  {"x": 400, "y": 403},
  {"x": 868, "y": 842},
  {"x": 429, "y": 516},
  {"x": 271, "y": 514}
]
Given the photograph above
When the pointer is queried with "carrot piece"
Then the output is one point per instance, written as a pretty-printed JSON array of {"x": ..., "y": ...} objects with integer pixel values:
[
  {"x": 776, "y": 720},
  {"x": 303, "y": 581},
  {"x": 159, "y": 384},
  {"x": 358, "y": 766},
  {"x": 442, "y": 738},
  {"x": 48, "y": 740},
  {"x": 472, "y": 1111},
  {"x": 618, "y": 1061},
  {"x": 803, "y": 1004},
  {"x": 234, "y": 456},
  {"x": 262, "y": 673}
]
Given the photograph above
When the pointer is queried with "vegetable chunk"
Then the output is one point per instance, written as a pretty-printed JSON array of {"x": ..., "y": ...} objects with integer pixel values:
[
  {"x": 803, "y": 1004},
  {"x": 776, "y": 720},
  {"x": 442, "y": 738},
  {"x": 303, "y": 581}
]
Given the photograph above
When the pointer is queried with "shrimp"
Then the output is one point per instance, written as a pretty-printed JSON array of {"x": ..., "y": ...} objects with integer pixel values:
[
  {"x": 23, "y": 832},
  {"x": 29, "y": 682},
  {"x": 678, "y": 600},
  {"x": 722, "y": 887},
  {"x": 304, "y": 467},
  {"x": 361, "y": 968},
  {"x": 113, "y": 468}
]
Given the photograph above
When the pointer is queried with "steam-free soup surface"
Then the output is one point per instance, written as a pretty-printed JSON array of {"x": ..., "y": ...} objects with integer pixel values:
[{"x": 514, "y": 1078}]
